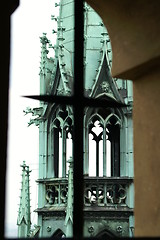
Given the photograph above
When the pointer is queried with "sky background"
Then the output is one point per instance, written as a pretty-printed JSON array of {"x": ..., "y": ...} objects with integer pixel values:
[{"x": 28, "y": 22}]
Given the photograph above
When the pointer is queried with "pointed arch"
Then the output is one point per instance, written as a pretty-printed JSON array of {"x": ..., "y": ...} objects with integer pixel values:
[
  {"x": 68, "y": 122},
  {"x": 95, "y": 139},
  {"x": 60, "y": 126},
  {"x": 104, "y": 234},
  {"x": 58, "y": 234},
  {"x": 105, "y": 149},
  {"x": 111, "y": 116},
  {"x": 94, "y": 118}
]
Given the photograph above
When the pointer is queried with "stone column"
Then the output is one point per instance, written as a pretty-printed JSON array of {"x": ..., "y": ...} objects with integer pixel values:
[{"x": 69, "y": 210}]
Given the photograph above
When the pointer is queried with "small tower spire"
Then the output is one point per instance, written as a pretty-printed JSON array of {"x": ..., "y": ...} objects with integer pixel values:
[
  {"x": 23, "y": 220},
  {"x": 43, "y": 64},
  {"x": 44, "y": 40}
]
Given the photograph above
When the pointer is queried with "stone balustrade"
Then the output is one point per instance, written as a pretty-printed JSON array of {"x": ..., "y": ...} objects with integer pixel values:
[
  {"x": 98, "y": 191},
  {"x": 106, "y": 191}
]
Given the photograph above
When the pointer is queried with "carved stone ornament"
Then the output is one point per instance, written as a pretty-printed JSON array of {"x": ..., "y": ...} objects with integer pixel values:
[
  {"x": 119, "y": 229},
  {"x": 49, "y": 228},
  {"x": 105, "y": 87},
  {"x": 91, "y": 229}
]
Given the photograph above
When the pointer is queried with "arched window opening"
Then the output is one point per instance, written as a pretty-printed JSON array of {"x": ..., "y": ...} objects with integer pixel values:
[
  {"x": 95, "y": 148},
  {"x": 69, "y": 146},
  {"x": 61, "y": 140},
  {"x": 114, "y": 138},
  {"x": 104, "y": 146}
]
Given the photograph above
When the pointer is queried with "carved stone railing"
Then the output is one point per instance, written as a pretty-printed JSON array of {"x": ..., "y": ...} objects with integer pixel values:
[
  {"x": 98, "y": 191},
  {"x": 56, "y": 190},
  {"x": 106, "y": 191}
]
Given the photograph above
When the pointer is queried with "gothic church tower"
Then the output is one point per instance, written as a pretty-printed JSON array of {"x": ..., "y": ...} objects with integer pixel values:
[{"x": 108, "y": 135}]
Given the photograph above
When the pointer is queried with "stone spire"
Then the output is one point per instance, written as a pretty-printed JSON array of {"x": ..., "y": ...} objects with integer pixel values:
[
  {"x": 43, "y": 64},
  {"x": 44, "y": 40},
  {"x": 23, "y": 220}
]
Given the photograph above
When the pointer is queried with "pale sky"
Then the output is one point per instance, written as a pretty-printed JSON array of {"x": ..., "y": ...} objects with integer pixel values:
[{"x": 29, "y": 21}]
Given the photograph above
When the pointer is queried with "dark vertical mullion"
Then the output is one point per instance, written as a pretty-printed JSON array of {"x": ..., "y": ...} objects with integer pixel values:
[{"x": 78, "y": 122}]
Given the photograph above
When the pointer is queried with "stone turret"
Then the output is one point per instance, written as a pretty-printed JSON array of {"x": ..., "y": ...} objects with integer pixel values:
[{"x": 108, "y": 135}]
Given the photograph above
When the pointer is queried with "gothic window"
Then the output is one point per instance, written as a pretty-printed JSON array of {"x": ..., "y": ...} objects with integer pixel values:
[
  {"x": 61, "y": 129},
  {"x": 104, "y": 143}
]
